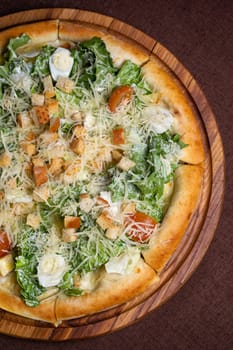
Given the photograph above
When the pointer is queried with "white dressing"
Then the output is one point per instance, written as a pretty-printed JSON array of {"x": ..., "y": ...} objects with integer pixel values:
[
  {"x": 158, "y": 119},
  {"x": 125, "y": 263},
  {"x": 89, "y": 281}
]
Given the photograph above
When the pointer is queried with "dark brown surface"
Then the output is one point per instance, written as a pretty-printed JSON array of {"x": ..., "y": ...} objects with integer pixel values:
[{"x": 200, "y": 315}]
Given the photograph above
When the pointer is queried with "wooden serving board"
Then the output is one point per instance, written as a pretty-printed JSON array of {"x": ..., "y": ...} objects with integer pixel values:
[{"x": 204, "y": 221}]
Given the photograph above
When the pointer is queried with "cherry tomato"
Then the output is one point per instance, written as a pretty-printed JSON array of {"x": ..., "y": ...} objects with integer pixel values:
[
  {"x": 141, "y": 226},
  {"x": 5, "y": 245},
  {"x": 119, "y": 95}
]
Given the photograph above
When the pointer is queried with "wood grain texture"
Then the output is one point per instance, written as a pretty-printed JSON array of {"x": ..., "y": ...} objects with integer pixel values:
[{"x": 204, "y": 220}]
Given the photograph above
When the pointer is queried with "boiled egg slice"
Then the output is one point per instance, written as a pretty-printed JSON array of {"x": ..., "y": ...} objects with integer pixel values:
[
  {"x": 51, "y": 269},
  {"x": 60, "y": 63}
]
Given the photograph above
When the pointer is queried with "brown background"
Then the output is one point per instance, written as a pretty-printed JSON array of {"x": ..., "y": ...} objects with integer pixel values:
[{"x": 200, "y": 35}]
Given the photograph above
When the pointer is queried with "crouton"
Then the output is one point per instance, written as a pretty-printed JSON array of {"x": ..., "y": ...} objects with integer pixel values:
[
  {"x": 22, "y": 208},
  {"x": 52, "y": 106},
  {"x": 33, "y": 221},
  {"x": 71, "y": 171},
  {"x": 28, "y": 148},
  {"x": 104, "y": 221},
  {"x": 118, "y": 136},
  {"x": 102, "y": 202},
  {"x": 42, "y": 114},
  {"x": 31, "y": 136},
  {"x": 72, "y": 222},
  {"x": 37, "y": 161},
  {"x": 125, "y": 164},
  {"x": 116, "y": 155},
  {"x": 69, "y": 235},
  {"x": 55, "y": 167},
  {"x": 41, "y": 194},
  {"x": 48, "y": 87},
  {"x": 48, "y": 137},
  {"x": 40, "y": 175},
  {"x": 77, "y": 146},
  {"x": 128, "y": 208},
  {"x": 28, "y": 167},
  {"x": 104, "y": 156},
  {"x": 79, "y": 131},
  {"x": 37, "y": 99},
  {"x": 54, "y": 124},
  {"x": 24, "y": 120},
  {"x": 5, "y": 159},
  {"x": 65, "y": 84}
]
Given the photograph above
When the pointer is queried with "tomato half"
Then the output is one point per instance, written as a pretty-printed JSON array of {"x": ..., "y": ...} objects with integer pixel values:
[
  {"x": 141, "y": 226},
  {"x": 5, "y": 245},
  {"x": 120, "y": 94}
]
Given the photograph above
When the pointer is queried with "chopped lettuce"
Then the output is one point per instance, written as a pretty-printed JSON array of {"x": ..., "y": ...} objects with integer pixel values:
[
  {"x": 29, "y": 245},
  {"x": 93, "y": 250},
  {"x": 130, "y": 74},
  {"x": 103, "y": 61},
  {"x": 14, "y": 44},
  {"x": 156, "y": 162},
  {"x": 41, "y": 65}
]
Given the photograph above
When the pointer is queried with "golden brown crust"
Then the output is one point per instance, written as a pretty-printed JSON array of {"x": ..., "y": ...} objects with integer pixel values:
[
  {"x": 113, "y": 290},
  {"x": 11, "y": 301},
  {"x": 158, "y": 76},
  {"x": 187, "y": 186},
  {"x": 120, "y": 50},
  {"x": 39, "y": 32}
]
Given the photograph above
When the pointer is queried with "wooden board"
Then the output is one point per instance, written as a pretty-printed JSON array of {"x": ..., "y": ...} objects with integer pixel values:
[{"x": 204, "y": 221}]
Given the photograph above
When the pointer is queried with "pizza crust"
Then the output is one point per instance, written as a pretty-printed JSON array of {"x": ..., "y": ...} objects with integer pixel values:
[
  {"x": 113, "y": 290},
  {"x": 120, "y": 50},
  {"x": 11, "y": 301},
  {"x": 158, "y": 76},
  {"x": 187, "y": 185},
  {"x": 40, "y": 33}
]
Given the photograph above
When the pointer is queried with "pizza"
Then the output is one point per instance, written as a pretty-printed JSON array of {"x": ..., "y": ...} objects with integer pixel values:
[{"x": 101, "y": 168}]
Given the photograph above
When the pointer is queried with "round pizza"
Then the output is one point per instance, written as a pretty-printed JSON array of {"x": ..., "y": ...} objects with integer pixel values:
[{"x": 100, "y": 170}]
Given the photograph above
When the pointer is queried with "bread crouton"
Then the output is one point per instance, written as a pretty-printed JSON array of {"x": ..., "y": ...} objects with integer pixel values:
[
  {"x": 37, "y": 99},
  {"x": 65, "y": 84}
]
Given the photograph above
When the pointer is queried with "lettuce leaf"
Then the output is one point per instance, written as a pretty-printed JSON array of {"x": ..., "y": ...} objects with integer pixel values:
[
  {"x": 14, "y": 44},
  {"x": 130, "y": 74},
  {"x": 26, "y": 264},
  {"x": 41, "y": 65},
  {"x": 156, "y": 162},
  {"x": 103, "y": 61}
]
